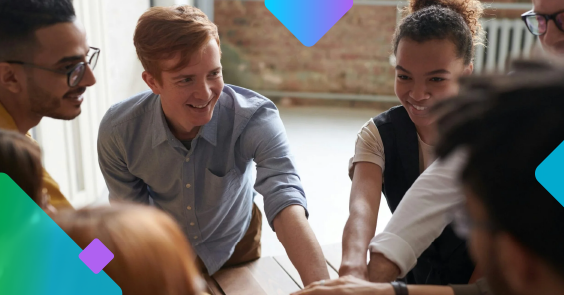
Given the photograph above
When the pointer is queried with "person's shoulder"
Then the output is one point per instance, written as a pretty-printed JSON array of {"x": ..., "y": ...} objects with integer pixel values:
[
  {"x": 386, "y": 117},
  {"x": 128, "y": 110},
  {"x": 244, "y": 102}
]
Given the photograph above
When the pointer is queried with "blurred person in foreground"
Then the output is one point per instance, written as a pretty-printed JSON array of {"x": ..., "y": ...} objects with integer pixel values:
[
  {"x": 20, "y": 159},
  {"x": 506, "y": 126},
  {"x": 188, "y": 145},
  {"x": 45, "y": 68},
  {"x": 151, "y": 254}
]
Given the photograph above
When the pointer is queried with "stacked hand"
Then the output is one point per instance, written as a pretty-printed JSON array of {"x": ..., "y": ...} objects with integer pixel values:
[{"x": 347, "y": 285}]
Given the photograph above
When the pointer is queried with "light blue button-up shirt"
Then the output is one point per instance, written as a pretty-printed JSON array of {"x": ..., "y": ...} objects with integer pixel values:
[{"x": 208, "y": 189}]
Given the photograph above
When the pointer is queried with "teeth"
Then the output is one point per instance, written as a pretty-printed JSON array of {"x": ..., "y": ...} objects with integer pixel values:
[{"x": 419, "y": 108}]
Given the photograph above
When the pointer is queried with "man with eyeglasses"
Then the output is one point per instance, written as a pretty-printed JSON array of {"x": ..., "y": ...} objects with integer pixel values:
[
  {"x": 433, "y": 200},
  {"x": 45, "y": 68},
  {"x": 546, "y": 21}
]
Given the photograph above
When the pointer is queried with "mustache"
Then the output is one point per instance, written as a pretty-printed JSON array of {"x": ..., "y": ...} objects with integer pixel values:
[{"x": 76, "y": 92}]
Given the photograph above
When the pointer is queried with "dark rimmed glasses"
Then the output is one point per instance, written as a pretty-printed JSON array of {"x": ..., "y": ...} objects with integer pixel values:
[
  {"x": 538, "y": 23},
  {"x": 74, "y": 74}
]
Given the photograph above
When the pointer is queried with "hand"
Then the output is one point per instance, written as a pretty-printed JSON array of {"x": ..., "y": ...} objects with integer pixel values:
[
  {"x": 359, "y": 270},
  {"x": 381, "y": 269},
  {"x": 346, "y": 286}
]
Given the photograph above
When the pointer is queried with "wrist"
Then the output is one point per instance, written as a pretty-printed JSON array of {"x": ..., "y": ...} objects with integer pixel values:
[
  {"x": 400, "y": 288},
  {"x": 381, "y": 262}
]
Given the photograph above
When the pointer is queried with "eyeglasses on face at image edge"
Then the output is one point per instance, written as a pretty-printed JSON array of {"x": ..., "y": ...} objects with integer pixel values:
[
  {"x": 74, "y": 74},
  {"x": 538, "y": 23}
]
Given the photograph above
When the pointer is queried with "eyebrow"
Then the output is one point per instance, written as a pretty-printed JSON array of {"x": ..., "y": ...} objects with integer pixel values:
[
  {"x": 192, "y": 76},
  {"x": 398, "y": 67},
  {"x": 439, "y": 71},
  {"x": 70, "y": 58}
]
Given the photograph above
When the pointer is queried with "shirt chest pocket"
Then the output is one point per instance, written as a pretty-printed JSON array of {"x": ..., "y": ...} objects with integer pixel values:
[{"x": 219, "y": 190}]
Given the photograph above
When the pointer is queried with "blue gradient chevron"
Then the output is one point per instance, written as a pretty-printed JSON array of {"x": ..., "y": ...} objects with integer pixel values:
[
  {"x": 550, "y": 173},
  {"x": 308, "y": 20}
]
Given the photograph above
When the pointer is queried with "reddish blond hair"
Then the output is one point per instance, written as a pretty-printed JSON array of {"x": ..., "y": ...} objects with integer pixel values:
[
  {"x": 164, "y": 32},
  {"x": 151, "y": 254}
]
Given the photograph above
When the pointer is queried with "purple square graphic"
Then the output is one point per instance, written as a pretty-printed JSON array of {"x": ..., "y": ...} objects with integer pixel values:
[{"x": 96, "y": 256}]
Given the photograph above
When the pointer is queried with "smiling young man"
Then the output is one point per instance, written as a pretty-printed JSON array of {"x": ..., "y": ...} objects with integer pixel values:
[
  {"x": 45, "y": 67},
  {"x": 189, "y": 145}
]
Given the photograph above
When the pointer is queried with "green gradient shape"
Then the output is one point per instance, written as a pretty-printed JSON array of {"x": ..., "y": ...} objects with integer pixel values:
[{"x": 36, "y": 256}]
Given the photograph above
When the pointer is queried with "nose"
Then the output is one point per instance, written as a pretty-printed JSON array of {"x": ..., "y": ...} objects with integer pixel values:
[
  {"x": 419, "y": 92},
  {"x": 88, "y": 79},
  {"x": 552, "y": 34},
  {"x": 202, "y": 91}
]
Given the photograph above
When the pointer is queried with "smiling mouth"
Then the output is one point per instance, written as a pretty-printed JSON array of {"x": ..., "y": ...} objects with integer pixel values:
[
  {"x": 419, "y": 108},
  {"x": 200, "y": 106}
]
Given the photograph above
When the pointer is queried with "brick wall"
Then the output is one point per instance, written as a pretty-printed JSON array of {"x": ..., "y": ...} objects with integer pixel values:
[{"x": 353, "y": 57}]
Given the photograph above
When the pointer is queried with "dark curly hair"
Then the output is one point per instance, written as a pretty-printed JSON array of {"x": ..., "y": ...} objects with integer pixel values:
[{"x": 456, "y": 20}]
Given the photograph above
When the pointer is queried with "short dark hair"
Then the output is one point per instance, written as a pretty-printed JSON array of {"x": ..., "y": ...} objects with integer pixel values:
[
  {"x": 455, "y": 20},
  {"x": 19, "y": 19},
  {"x": 510, "y": 124}
]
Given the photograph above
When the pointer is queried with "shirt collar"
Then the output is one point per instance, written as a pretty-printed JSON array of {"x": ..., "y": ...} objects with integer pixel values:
[
  {"x": 209, "y": 131},
  {"x": 161, "y": 131},
  {"x": 159, "y": 126},
  {"x": 6, "y": 121}
]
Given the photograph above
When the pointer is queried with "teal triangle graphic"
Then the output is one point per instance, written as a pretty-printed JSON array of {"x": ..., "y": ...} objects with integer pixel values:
[{"x": 36, "y": 256}]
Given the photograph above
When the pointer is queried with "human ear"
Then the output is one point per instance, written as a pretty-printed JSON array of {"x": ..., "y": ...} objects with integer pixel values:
[
  {"x": 10, "y": 79},
  {"x": 468, "y": 70},
  {"x": 152, "y": 82}
]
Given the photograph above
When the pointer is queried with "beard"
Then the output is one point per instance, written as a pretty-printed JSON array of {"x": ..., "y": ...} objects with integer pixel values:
[{"x": 46, "y": 104}]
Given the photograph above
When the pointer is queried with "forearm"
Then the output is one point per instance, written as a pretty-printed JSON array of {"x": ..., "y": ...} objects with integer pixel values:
[
  {"x": 363, "y": 209},
  {"x": 381, "y": 269},
  {"x": 358, "y": 232},
  {"x": 429, "y": 290},
  {"x": 300, "y": 243}
]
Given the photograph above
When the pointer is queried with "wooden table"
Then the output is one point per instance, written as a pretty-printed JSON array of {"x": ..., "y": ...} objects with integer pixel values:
[{"x": 268, "y": 275}]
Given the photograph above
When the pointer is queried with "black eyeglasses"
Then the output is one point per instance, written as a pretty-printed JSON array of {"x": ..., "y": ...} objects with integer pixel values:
[
  {"x": 74, "y": 74},
  {"x": 538, "y": 23}
]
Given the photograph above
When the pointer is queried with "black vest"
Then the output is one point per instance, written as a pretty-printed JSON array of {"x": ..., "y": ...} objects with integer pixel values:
[{"x": 446, "y": 261}]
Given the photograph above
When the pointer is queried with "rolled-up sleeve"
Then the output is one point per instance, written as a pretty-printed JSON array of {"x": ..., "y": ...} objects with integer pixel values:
[
  {"x": 122, "y": 185},
  {"x": 277, "y": 178},
  {"x": 425, "y": 210},
  {"x": 368, "y": 147}
]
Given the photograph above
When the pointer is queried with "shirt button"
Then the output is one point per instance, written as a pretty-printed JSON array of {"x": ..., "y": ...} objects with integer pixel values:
[
  {"x": 187, "y": 159},
  {"x": 192, "y": 224},
  {"x": 188, "y": 186},
  {"x": 195, "y": 237},
  {"x": 189, "y": 208}
]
